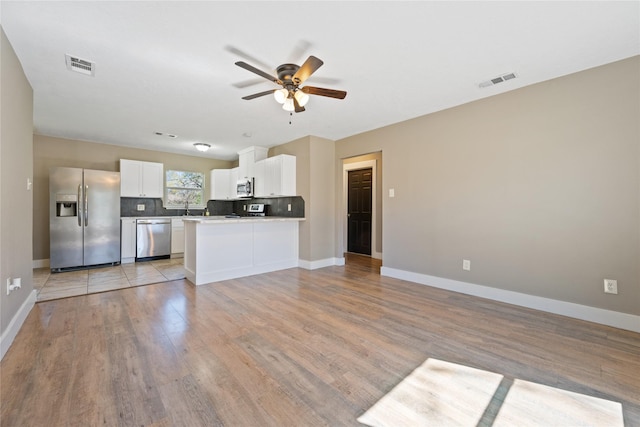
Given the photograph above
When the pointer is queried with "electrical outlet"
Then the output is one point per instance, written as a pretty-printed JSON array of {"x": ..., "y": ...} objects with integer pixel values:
[
  {"x": 13, "y": 284},
  {"x": 140, "y": 207},
  {"x": 466, "y": 264},
  {"x": 289, "y": 207},
  {"x": 610, "y": 286}
]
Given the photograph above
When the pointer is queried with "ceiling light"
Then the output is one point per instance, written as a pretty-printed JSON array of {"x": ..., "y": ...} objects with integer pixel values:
[
  {"x": 280, "y": 95},
  {"x": 301, "y": 97},
  {"x": 201, "y": 146},
  {"x": 288, "y": 105}
]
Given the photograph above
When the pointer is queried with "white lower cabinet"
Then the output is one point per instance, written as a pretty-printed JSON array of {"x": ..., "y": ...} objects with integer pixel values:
[
  {"x": 127, "y": 240},
  {"x": 177, "y": 236}
]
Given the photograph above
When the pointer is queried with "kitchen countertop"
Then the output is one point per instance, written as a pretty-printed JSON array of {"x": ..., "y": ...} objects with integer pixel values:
[
  {"x": 218, "y": 218},
  {"x": 149, "y": 217},
  {"x": 226, "y": 220}
]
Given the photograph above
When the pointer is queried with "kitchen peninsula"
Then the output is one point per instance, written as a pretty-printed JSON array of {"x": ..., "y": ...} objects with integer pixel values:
[{"x": 220, "y": 248}]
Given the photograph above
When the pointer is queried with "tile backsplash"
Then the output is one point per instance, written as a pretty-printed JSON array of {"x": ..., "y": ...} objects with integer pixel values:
[{"x": 275, "y": 206}]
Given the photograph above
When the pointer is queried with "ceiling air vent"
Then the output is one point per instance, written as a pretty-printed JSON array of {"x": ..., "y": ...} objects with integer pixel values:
[
  {"x": 80, "y": 65},
  {"x": 499, "y": 79}
]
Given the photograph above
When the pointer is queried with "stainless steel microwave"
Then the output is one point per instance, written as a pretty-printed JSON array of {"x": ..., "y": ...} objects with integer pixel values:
[{"x": 245, "y": 187}]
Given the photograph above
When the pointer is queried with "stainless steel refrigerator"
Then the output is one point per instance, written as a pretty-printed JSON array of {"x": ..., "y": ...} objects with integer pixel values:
[{"x": 84, "y": 218}]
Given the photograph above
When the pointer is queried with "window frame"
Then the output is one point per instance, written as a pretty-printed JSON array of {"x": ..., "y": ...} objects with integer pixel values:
[{"x": 167, "y": 188}]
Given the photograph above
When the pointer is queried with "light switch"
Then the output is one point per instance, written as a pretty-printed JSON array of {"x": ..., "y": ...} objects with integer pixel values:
[
  {"x": 392, "y": 192},
  {"x": 140, "y": 207}
]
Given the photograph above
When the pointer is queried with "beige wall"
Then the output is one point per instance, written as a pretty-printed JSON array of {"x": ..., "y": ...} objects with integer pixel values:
[
  {"x": 301, "y": 148},
  {"x": 50, "y": 152},
  {"x": 314, "y": 183},
  {"x": 16, "y": 167},
  {"x": 539, "y": 187},
  {"x": 321, "y": 202}
]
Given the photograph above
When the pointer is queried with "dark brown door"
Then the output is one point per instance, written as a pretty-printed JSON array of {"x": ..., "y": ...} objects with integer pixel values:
[{"x": 359, "y": 211}]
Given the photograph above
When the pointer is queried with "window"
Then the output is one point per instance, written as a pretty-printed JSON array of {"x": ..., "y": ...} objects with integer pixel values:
[{"x": 184, "y": 187}]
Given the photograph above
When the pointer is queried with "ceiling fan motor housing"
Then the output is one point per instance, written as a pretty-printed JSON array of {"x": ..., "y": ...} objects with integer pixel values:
[{"x": 286, "y": 73}]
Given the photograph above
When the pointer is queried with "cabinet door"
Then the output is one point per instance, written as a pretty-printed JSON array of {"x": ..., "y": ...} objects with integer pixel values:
[
  {"x": 259, "y": 169},
  {"x": 177, "y": 236},
  {"x": 152, "y": 179},
  {"x": 129, "y": 178},
  {"x": 288, "y": 175},
  {"x": 128, "y": 239},
  {"x": 220, "y": 184},
  {"x": 233, "y": 183},
  {"x": 280, "y": 176}
]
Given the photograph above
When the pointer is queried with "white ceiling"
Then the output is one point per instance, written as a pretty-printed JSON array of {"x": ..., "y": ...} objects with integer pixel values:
[{"x": 169, "y": 66}]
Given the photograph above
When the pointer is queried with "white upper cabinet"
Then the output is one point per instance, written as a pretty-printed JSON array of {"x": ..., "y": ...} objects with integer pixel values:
[
  {"x": 247, "y": 159},
  {"x": 141, "y": 179},
  {"x": 276, "y": 176},
  {"x": 223, "y": 184}
]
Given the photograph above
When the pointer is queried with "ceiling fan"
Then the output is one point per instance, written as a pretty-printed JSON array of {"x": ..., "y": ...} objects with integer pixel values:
[{"x": 290, "y": 77}]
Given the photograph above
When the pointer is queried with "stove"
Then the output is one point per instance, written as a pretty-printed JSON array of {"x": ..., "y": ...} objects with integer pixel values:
[{"x": 256, "y": 209}]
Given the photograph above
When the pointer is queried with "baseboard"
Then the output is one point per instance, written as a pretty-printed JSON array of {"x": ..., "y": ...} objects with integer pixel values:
[
  {"x": 313, "y": 265},
  {"x": 7, "y": 337},
  {"x": 616, "y": 319},
  {"x": 40, "y": 263}
]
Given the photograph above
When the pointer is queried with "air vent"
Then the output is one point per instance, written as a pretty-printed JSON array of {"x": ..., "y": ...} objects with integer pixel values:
[
  {"x": 499, "y": 79},
  {"x": 80, "y": 65}
]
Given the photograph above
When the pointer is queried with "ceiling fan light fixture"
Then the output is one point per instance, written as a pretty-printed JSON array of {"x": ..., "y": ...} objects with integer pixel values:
[
  {"x": 301, "y": 97},
  {"x": 288, "y": 105},
  {"x": 281, "y": 95},
  {"x": 201, "y": 146}
]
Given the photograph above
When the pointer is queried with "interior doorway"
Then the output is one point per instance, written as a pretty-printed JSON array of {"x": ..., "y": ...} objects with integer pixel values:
[
  {"x": 372, "y": 163},
  {"x": 359, "y": 210}
]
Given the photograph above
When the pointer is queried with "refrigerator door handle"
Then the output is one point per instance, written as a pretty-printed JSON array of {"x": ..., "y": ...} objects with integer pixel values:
[
  {"x": 79, "y": 214},
  {"x": 86, "y": 205}
]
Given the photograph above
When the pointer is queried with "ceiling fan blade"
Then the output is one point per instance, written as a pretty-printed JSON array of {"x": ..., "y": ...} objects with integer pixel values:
[
  {"x": 309, "y": 67},
  {"x": 301, "y": 47},
  {"x": 261, "y": 73},
  {"x": 252, "y": 59},
  {"x": 324, "y": 80},
  {"x": 259, "y": 94},
  {"x": 247, "y": 83},
  {"x": 297, "y": 107},
  {"x": 331, "y": 93}
]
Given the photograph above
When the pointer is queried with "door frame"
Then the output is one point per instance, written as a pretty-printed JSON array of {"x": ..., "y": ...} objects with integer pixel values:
[{"x": 346, "y": 167}]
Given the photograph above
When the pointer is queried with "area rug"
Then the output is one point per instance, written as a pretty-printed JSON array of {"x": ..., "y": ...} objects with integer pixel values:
[{"x": 440, "y": 393}]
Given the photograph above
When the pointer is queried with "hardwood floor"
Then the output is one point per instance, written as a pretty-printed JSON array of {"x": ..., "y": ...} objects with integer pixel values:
[{"x": 294, "y": 347}]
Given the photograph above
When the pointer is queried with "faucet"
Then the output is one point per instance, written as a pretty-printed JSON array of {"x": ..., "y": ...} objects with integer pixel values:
[{"x": 186, "y": 208}]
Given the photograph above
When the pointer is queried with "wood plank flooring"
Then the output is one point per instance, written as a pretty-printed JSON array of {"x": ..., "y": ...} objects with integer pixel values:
[{"x": 295, "y": 347}]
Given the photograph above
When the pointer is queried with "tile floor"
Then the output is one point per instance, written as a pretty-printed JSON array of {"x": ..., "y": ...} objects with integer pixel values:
[{"x": 81, "y": 282}]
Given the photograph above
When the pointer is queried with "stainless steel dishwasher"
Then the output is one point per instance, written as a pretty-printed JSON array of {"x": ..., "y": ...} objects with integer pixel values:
[{"x": 153, "y": 238}]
